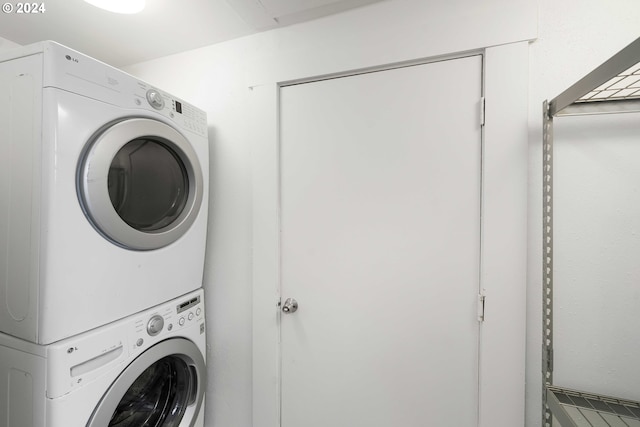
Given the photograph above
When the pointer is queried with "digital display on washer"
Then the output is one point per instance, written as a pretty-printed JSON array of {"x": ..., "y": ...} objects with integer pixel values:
[
  {"x": 178, "y": 107},
  {"x": 188, "y": 304}
]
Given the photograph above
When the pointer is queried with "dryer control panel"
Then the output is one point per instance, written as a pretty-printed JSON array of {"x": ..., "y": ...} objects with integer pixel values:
[
  {"x": 185, "y": 115},
  {"x": 67, "y": 69}
]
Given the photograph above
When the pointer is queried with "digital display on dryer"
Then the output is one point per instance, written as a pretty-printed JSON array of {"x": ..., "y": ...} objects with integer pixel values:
[{"x": 178, "y": 107}]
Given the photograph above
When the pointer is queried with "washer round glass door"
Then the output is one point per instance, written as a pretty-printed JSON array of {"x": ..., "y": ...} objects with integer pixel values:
[
  {"x": 164, "y": 387},
  {"x": 140, "y": 184}
]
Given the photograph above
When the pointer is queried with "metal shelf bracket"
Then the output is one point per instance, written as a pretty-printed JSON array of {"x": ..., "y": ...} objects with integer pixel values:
[{"x": 613, "y": 87}]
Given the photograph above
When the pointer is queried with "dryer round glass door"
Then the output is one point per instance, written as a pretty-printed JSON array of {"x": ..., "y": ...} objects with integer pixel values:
[
  {"x": 164, "y": 387},
  {"x": 140, "y": 184}
]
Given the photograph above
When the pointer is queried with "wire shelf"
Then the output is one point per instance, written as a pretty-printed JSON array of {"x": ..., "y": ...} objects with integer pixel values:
[
  {"x": 613, "y": 87},
  {"x": 579, "y": 409},
  {"x": 625, "y": 85}
]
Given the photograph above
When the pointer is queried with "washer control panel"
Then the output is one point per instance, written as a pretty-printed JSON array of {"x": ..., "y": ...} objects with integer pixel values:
[
  {"x": 168, "y": 319},
  {"x": 188, "y": 310},
  {"x": 82, "y": 359},
  {"x": 188, "y": 304}
]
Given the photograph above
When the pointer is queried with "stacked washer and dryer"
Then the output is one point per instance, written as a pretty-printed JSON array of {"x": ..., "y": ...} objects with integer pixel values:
[{"x": 103, "y": 220}]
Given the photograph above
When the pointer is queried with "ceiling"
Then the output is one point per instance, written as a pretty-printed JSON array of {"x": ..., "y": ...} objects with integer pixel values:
[{"x": 165, "y": 27}]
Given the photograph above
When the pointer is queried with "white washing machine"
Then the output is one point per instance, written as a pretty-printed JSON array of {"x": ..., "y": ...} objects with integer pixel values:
[
  {"x": 103, "y": 194},
  {"x": 145, "y": 370}
]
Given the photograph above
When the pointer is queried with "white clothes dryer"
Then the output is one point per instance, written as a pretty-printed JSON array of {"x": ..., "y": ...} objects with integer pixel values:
[
  {"x": 146, "y": 370},
  {"x": 103, "y": 194}
]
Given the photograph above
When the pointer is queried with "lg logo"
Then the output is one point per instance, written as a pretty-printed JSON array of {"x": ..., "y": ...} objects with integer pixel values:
[{"x": 70, "y": 58}]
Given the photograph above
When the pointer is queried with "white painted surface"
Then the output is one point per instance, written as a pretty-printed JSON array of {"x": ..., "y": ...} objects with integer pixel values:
[
  {"x": 380, "y": 245},
  {"x": 575, "y": 37},
  {"x": 47, "y": 386},
  {"x": 6, "y": 44},
  {"x": 597, "y": 218},
  {"x": 55, "y": 250},
  {"x": 269, "y": 14},
  {"x": 243, "y": 135},
  {"x": 504, "y": 213},
  {"x": 163, "y": 27}
]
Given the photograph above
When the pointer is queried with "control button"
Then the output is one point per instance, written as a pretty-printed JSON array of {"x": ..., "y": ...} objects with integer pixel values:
[
  {"x": 170, "y": 327},
  {"x": 190, "y": 316},
  {"x": 181, "y": 321},
  {"x": 198, "y": 311},
  {"x": 139, "y": 342},
  {"x": 155, "y": 99},
  {"x": 155, "y": 325}
]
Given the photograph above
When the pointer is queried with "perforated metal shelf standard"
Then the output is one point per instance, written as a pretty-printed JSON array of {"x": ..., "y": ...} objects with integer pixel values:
[
  {"x": 578, "y": 409},
  {"x": 613, "y": 87}
]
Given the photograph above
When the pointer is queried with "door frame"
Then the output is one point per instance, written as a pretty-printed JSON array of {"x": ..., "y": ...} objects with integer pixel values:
[{"x": 503, "y": 236}]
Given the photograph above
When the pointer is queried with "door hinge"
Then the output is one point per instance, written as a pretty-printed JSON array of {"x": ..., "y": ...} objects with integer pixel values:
[
  {"x": 482, "y": 111},
  {"x": 481, "y": 303}
]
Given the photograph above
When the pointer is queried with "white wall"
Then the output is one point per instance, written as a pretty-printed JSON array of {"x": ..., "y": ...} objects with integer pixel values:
[
  {"x": 595, "y": 209},
  {"x": 573, "y": 37},
  {"x": 222, "y": 79},
  {"x": 213, "y": 79},
  {"x": 6, "y": 44}
]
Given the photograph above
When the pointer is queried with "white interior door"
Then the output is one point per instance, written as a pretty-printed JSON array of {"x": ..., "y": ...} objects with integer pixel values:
[{"x": 380, "y": 245}]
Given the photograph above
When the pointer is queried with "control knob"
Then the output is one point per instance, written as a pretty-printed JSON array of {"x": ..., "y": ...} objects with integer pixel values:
[
  {"x": 155, "y": 99},
  {"x": 155, "y": 325}
]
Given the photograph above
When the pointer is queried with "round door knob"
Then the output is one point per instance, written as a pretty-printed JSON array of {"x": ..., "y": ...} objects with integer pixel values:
[{"x": 290, "y": 306}]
